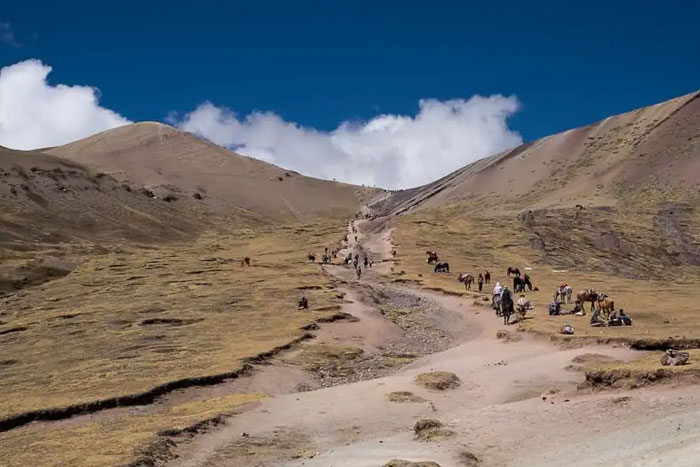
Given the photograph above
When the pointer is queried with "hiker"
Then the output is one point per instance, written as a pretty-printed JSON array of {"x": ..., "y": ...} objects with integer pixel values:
[
  {"x": 554, "y": 308},
  {"x": 303, "y": 303},
  {"x": 366, "y": 261},
  {"x": 527, "y": 282},
  {"x": 393, "y": 253},
  {"x": 487, "y": 277},
  {"x": 480, "y": 282},
  {"x": 359, "y": 272},
  {"x": 370, "y": 262}
]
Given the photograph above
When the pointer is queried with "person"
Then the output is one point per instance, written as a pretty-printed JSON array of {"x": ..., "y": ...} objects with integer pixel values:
[
  {"x": 393, "y": 253},
  {"x": 554, "y": 308},
  {"x": 527, "y": 282},
  {"x": 359, "y": 272},
  {"x": 366, "y": 261},
  {"x": 487, "y": 277},
  {"x": 370, "y": 262},
  {"x": 480, "y": 281},
  {"x": 497, "y": 289},
  {"x": 303, "y": 303}
]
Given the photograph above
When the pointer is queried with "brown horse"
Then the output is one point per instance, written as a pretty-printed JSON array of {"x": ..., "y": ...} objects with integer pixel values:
[
  {"x": 588, "y": 295},
  {"x": 467, "y": 279},
  {"x": 311, "y": 257},
  {"x": 604, "y": 308},
  {"x": 432, "y": 257},
  {"x": 513, "y": 270}
]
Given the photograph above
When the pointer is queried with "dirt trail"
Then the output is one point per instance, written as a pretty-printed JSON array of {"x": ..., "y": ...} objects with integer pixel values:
[{"x": 498, "y": 413}]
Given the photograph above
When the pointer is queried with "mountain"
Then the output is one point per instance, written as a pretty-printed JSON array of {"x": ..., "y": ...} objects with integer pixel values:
[
  {"x": 168, "y": 162},
  {"x": 142, "y": 184},
  {"x": 653, "y": 149},
  {"x": 618, "y": 196}
]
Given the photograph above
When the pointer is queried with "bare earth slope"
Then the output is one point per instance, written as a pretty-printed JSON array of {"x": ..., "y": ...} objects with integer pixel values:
[
  {"x": 652, "y": 147},
  {"x": 169, "y": 162}
]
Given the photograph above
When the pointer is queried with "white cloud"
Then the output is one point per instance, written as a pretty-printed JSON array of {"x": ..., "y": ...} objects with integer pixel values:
[
  {"x": 34, "y": 113},
  {"x": 391, "y": 151}
]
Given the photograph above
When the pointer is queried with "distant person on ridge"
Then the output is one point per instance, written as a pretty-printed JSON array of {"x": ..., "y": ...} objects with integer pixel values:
[{"x": 480, "y": 281}]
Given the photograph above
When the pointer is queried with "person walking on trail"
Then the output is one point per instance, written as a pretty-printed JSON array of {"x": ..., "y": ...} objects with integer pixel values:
[
  {"x": 366, "y": 261},
  {"x": 359, "y": 272},
  {"x": 480, "y": 281}
]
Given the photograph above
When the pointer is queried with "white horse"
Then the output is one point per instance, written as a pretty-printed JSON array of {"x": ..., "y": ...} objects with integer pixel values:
[{"x": 564, "y": 294}]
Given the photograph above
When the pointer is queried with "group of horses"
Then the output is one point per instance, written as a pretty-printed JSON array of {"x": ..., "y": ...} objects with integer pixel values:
[{"x": 433, "y": 258}]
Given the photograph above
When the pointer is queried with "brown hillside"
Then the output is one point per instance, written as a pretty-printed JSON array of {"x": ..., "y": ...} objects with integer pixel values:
[
  {"x": 653, "y": 148},
  {"x": 169, "y": 162}
]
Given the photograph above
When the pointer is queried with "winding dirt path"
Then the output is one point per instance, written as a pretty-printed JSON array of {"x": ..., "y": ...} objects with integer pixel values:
[{"x": 498, "y": 413}]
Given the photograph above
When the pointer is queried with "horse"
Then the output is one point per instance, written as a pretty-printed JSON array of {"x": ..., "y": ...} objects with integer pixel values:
[
  {"x": 442, "y": 267},
  {"x": 506, "y": 305},
  {"x": 588, "y": 295},
  {"x": 563, "y": 294},
  {"x": 311, "y": 257},
  {"x": 496, "y": 304},
  {"x": 604, "y": 307},
  {"x": 513, "y": 270},
  {"x": 432, "y": 257},
  {"x": 467, "y": 279},
  {"x": 518, "y": 284},
  {"x": 487, "y": 277}
]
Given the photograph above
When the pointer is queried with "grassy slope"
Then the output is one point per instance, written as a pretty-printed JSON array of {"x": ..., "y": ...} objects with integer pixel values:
[
  {"x": 473, "y": 242},
  {"x": 87, "y": 338}
]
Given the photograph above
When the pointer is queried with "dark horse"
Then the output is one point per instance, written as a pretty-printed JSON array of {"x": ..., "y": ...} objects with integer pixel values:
[
  {"x": 513, "y": 270},
  {"x": 442, "y": 267},
  {"x": 311, "y": 257},
  {"x": 506, "y": 305},
  {"x": 518, "y": 284},
  {"x": 432, "y": 257}
]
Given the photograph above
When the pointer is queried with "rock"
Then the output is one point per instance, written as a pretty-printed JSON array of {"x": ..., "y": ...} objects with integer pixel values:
[
  {"x": 428, "y": 429},
  {"x": 469, "y": 459},
  {"x": 438, "y": 380},
  {"x": 674, "y": 358}
]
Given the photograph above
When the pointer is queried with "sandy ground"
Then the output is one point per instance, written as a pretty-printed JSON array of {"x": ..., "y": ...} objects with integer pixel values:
[{"x": 498, "y": 413}]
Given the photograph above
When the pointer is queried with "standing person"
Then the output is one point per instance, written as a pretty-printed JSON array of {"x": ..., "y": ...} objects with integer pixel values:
[
  {"x": 480, "y": 281},
  {"x": 359, "y": 272},
  {"x": 487, "y": 277},
  {"x": 366, "y": 261},
  {"x": 526, "y": 282}
]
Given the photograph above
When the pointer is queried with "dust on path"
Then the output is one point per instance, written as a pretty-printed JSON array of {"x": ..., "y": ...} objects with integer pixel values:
[{"x": 498, "y": 412}]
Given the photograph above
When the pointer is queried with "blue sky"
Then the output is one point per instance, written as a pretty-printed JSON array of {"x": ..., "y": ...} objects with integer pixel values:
[{"x": 322, "y": 63}]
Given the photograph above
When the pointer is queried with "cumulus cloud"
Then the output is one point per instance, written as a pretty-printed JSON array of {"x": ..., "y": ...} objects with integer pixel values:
[
  {"x": 391, "y": 151},
  {"x": 34, "y": 113},
  {"x": 7, "y": 35}
]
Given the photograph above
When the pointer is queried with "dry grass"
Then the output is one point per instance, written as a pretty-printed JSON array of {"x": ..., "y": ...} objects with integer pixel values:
[
  {"x": 473, "y": 242},
  {"x": 114, "y": 441},
  {"x": 123, "y": 323},
  {"x": 404, "y": 396},
  {"x": 438, "y": 380}
]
